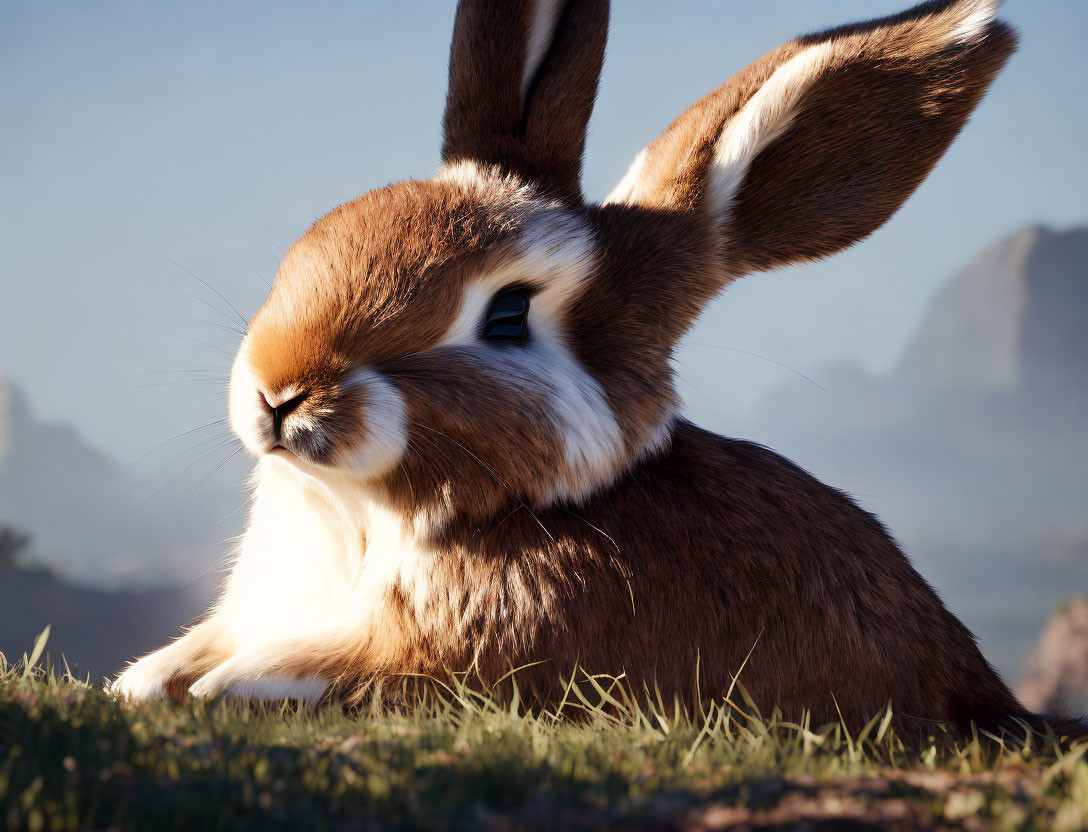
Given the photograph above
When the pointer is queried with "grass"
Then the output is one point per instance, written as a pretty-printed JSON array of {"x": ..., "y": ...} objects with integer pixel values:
[{"x": 71, "y": 757}]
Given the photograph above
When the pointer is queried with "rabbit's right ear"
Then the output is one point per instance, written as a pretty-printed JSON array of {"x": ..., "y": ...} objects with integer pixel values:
[{"x": 523, "y": 79}]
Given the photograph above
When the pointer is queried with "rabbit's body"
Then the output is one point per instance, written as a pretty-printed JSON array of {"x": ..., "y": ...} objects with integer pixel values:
[
  {"x": 780, "y": 566},
  {"x": 461, "y": 394}
]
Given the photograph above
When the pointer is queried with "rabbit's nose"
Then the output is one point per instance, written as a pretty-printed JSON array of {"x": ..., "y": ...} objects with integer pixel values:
[{"x": 280, "y": 408}]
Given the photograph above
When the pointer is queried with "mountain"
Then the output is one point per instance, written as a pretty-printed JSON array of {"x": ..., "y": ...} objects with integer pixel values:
[
  {"x": 1011, "y": 321},
  {"x": 90, "y": 518},
  {"x": 973, "y": 448},
  {"x": 84, "y": 515}
]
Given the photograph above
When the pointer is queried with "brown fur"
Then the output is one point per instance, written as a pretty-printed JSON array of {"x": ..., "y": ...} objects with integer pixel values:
[
  {"x": 691, "y": 555},
  {"x": 872, "y": 126},
  {"x": 690, "y": 561},
  {"x": 540, "y": 139},
  {"x": 356, "y": 292}
]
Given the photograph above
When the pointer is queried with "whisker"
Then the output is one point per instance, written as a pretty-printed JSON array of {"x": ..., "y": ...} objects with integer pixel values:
[
  {"x": 408, "y": 480},
  {"x": 227, "y": 517},
  {"x": 697, "y": 389},
  {"x": 261, "y": 278},
  {"x": 216, "y": 381},
  {"x": 762, "y": 357},
  {"x": 169, "y": 372},
  {"x": 198, "y": 445},
  {"x": 177, "y": 436},
  {"x": 217, "y": 448},
  {"x": 197, "y": 297},
  {"x": 244, "y": 322},
  {"x": 276, "y": 246},
  {"x": 219, "y": 465},
  {"x": 198, "y": 341},
  {"x": 267, "y": 250},
  {"x": 688, "y": 368},
  {"x": 595, "y": 528},
  {"x": 233, "y": 329},
  {"x": 220, "y": 564}
]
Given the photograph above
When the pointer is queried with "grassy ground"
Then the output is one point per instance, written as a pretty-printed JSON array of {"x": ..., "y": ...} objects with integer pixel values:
[{"x": 73, "y": 758}]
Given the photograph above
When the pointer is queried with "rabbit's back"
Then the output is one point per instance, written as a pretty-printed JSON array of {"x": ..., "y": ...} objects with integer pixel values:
[{"x": 719, "y": 548}]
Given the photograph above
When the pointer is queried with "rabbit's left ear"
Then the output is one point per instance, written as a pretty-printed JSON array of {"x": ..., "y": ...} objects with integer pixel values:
[
  {"x": 523, "y": 79},
  {"x": 818, "y": 143}
]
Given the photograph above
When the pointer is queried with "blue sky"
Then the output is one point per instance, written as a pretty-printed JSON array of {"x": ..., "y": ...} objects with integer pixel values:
[{"x": 134, "y": 134}]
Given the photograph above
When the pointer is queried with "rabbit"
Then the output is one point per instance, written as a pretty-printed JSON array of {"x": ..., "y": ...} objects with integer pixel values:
[{"x": 460, "y": 398}]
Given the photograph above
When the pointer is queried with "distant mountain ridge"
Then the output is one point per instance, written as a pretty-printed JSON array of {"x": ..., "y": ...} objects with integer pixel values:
[
  {"x": 85, "y": 520},
  {"x": 88, "y": 516},
  {"x": 1014, "y": 318}
]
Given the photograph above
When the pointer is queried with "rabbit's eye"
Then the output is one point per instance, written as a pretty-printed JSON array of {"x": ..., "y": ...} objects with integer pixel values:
[{"x": 508, "y": 318}]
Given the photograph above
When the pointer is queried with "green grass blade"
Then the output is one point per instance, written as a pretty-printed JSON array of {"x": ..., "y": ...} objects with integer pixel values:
[{"x": 36, "y": 654}]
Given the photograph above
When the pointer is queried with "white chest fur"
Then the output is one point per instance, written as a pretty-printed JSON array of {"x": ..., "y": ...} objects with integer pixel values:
[{"x": 317, "y": 558}]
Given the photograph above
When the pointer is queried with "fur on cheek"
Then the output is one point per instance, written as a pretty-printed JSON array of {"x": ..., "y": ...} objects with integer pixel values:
[
  {"x": 385, "y": 426},
  {"x": 493, "y": 423},
  {"x": 588, "y": 434}
]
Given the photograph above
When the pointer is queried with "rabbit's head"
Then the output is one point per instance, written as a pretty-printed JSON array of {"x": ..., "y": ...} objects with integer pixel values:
[{"x": 485, "y": 338}]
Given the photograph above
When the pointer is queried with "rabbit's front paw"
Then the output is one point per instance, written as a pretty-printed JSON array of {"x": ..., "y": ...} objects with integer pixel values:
[
  {"x": 255, "y": 677},
  {"x": 144, "y": 680}
]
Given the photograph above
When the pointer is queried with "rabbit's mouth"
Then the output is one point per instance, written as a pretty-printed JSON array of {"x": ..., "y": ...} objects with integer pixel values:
[
  {"x": 293, "y": 460},
  {"x": 288, "y": 456},
  {"x": 296, "y": 459}
]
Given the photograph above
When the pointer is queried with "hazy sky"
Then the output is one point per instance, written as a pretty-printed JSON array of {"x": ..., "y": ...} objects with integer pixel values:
[{"x": 134, "y": 134}]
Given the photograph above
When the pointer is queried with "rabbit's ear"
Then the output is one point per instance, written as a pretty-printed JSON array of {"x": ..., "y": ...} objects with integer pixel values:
[
  {"x": 523, "y": 79},
  {"x": 817, "y": 144}
]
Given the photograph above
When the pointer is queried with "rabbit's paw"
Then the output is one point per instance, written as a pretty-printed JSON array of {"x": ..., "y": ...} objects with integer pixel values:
[
  {"x": 144, "y": 680},
  {"x": 255, "y": 677}
]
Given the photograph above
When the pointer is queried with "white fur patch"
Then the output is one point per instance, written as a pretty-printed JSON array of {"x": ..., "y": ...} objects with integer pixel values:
[
  {"x": 143, "y": 680},
  {"x": 313, "y": 570},
  {"x": 626, "y": 190},
  {"x": 394, "y": 557},
  {"x": 246, "y": 676},
  {"x": 465, "y": 173},
  {"x": 247, "y": 414},
  {"x": 386, "y": 426},
  {"x": 490, "y": 183},
  {"x": 592, "y": 441},
  {"x": 297, "y": 561},
  {"x": 763, "y": 119},
  {"x": 316, "y": 559},
  {"x": 556, "y": 253},
  {"x": 558, "y": 243},
  {"x": 542, "y": 26},
  {"x": 974, "y": 17}
]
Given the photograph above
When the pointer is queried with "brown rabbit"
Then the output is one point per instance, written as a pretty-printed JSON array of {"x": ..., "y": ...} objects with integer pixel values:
[{"x": 461, "y": 401}]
